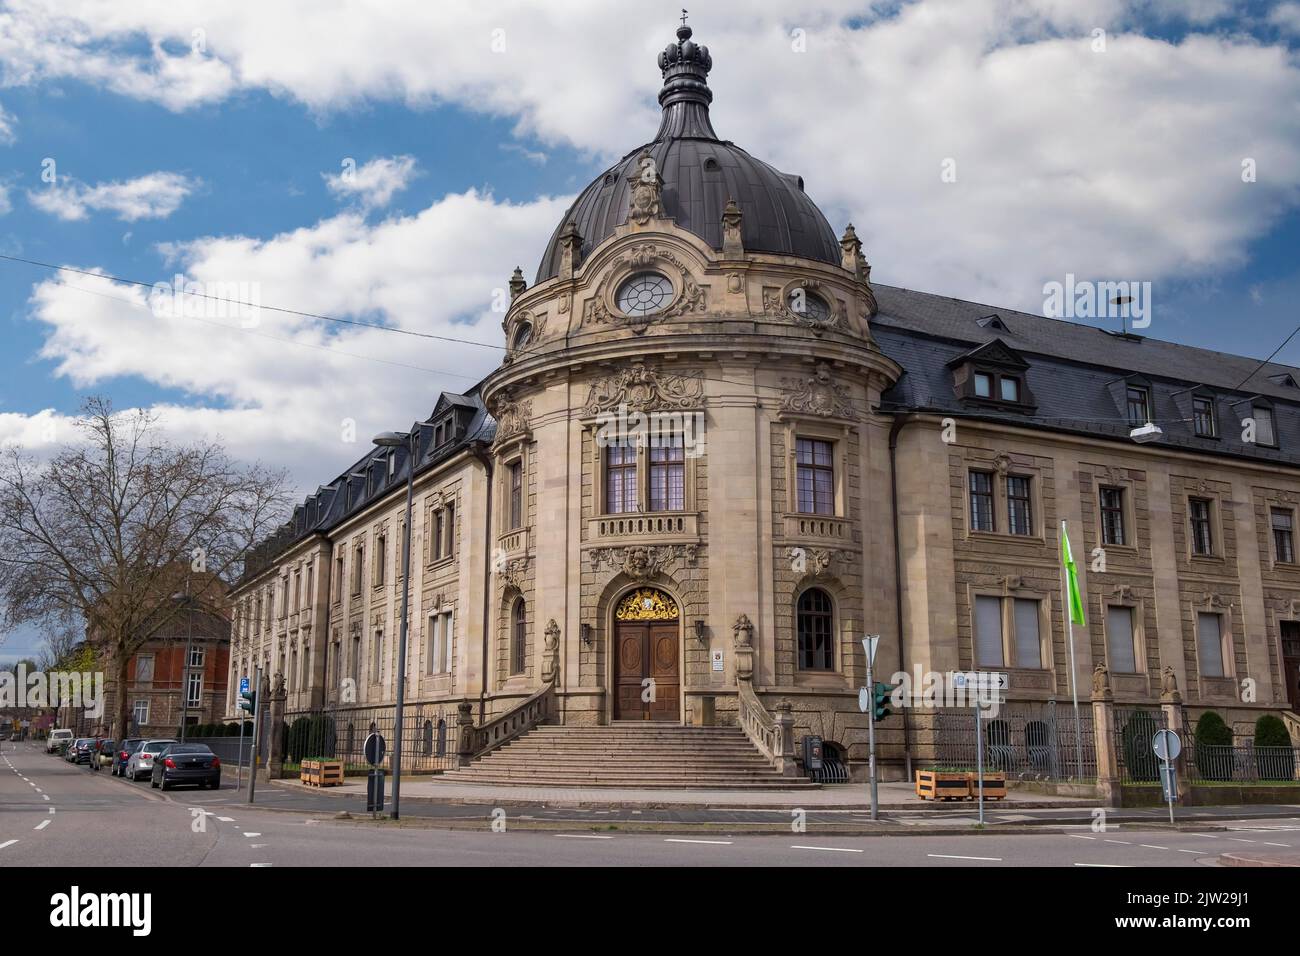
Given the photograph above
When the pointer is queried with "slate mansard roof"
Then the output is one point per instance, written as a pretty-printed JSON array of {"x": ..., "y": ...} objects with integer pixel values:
[
  {"x": 369, "y": 478},
  {"x": 1078, "y": 374}
]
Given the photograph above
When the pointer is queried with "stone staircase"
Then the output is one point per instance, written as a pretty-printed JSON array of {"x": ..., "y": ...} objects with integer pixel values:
[{"x": 638, "y": 755}]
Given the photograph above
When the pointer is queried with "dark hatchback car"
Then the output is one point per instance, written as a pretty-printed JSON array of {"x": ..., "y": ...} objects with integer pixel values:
[
  {"x": 84, "y": 747},
  {"x": 123, "y": 753},
  {"x": 184, "y": 764}
]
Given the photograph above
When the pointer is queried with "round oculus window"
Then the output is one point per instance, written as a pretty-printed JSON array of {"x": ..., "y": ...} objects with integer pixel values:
[
  {"x": 809, "y": 305},
  {"x": 644, "y": 294}
]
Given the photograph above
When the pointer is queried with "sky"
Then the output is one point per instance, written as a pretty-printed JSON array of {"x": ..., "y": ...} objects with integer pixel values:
[{"x": 392, "y": 162}]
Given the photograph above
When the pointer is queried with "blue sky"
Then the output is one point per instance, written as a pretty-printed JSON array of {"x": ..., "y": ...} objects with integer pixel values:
[{"x": 199, "y": 138}]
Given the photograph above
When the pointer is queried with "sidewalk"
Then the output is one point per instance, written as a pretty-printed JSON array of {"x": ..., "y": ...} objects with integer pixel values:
[{"x": 893, "y": 796}]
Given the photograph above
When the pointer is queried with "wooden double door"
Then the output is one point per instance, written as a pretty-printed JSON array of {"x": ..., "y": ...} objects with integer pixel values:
[
  {"x": 647, "y": 671},
  {"x": 1291, "y": 662}
]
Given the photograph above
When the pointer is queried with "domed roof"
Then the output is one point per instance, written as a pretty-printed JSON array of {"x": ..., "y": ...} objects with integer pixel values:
[{"x": 700, "y": 173}]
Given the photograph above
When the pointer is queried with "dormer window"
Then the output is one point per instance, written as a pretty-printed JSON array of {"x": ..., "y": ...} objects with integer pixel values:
[
  {"x": 1264, "y": 431},
  {"x": 1204, "y": 421},
  {"x": 992, "y": 374},
  {"x": 1139, "y": 405}
]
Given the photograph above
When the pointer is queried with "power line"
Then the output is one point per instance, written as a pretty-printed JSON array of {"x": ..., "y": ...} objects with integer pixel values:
[
  {"x": 254, "y": 305},
  {"x": 1256, "y": 369}
]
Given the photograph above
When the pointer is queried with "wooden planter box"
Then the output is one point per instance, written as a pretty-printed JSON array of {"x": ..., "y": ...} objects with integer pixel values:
[
  {"x": 942, "y": 785},
  {"x": 322, "y": 773},
  {"x": 995, "y": 785}
]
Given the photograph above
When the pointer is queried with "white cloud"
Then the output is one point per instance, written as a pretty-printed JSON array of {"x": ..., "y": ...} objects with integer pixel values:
[
  {"x": 1286, "y": 17},
  {"x": 5, "y": 204},
  {"x": 280, "y": 390},
  {"x": 152, "y": 196},
  {"x": 372, "y": 184},
  {"x": 6, "y": 126}
]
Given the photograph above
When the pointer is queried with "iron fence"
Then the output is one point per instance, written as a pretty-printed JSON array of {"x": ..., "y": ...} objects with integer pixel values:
[
  {"x": 1238, "y": 763},
  {"x": 339, "y": 733},
  {"x": 1025, "y": 741},
  {"x": 1134, "y": 757}
]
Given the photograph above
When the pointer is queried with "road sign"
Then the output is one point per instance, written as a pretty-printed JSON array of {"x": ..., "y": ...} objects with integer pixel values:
[
  {"x": 990, "y": 680},
  {"x": 243, "y": 685},
  {"x": 869, "y": 644},
  {"x": 1166, "y": 744},
  {"x": 374, "y": 750},
  {"x": 864, "y": 699}
]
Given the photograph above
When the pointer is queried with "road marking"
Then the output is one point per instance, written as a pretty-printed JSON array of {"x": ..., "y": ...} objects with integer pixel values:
[
  {"x": 43, "y": 824},
  {"x": 1151, "y": 846},
  {"x": 1079, "y": 836},
  {"x": 1187, "y": 851},
  {"x": 833, "y": 849},
  {"x": 45, "y": 796},
  {"x": 710, "y": 842},
  {"x": 259, "y": 864},
  {"x": 1208, "y": 836},
  {"x": 258, "y": 846},
  {"x": 51, "y": 811},
  {"x": 1116, "y": 866},
  {"x": 252, "y": 834},
  {"x": 226, "y": 819},
  {"x": 1240, "y": 840},
  {"x": 7, "y": 843},
  {"x": 1125, "y": 842},
  {"x": 583, "y": 836},
  {"x": 949, "y": 856},
  {"x": 1266, "y": 843}
]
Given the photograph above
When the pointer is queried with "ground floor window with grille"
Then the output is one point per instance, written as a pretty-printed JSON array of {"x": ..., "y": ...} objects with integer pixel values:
[
  {"x": 1022, "y": 618},
  {"x": 815, "y": 625},
  {"x": 1119, "y": 640},
  {"x": 1209, "y": 643}
]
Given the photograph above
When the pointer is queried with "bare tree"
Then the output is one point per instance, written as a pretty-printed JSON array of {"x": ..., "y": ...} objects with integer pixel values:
[{"x": 113, "y": 527}]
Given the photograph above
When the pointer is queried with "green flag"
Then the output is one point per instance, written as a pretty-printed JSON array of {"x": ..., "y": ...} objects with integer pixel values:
[{"x": 1072, "y": 579}]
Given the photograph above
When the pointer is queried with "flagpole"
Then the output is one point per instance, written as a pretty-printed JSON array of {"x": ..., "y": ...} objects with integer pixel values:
[{"x": 1074, "y": 684}]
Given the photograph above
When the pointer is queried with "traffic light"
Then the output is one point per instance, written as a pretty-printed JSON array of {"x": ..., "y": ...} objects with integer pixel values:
[
  {"x": 880, "y": 696},
  {"x": 248, "y": 700}
]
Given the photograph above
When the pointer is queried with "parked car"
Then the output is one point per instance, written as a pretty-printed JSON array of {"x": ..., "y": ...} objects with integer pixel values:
[
  {"x": 105, "y": 753},
  {"x": 140, "y": 764},
  {"x": 186, "y": 763},
  {"x": 122, "y": 754},
  {"x": 79, "y": 751},
  {"x": 54, "y": 743}
]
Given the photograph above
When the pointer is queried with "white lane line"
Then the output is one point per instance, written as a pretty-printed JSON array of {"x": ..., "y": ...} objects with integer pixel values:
[
  {"x": 258, "y": 846},
  {"x": 7, "y": 843},
  {"x": 1189, "y": 851},
  {"x": 252, "y": 834},
  {"x": 43, "y": 824},
  {"x": 1266, "y": 843},
  {"x": 51, "y": 811},
  {"x": 709, "y": 842},
  {"x": 1208, "y": 836},
  {"x": 1079, "y": 836},
  {"x": 45, "y": 796},
  {"x": 226, "y": 819},
  {"x": 1151, "y": 846},
  {"x": 1125, "y": 842},
  {"x": 259, "y": 864},
  {"x": 949, "y": 856},
  {"x": 833, "y": 849},
  {"x": 583, "y": 836},
  {"x": 1114, "y": 866},
  {"x": 1240, "y": 840}
]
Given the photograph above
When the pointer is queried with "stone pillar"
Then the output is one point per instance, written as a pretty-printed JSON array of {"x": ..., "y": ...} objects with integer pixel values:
[
  {"x": 274, "y": 737},
  {"x": 743, "y": 632},
  {"x": 785, "y": 737},
  {"x": 1103, "y": 737},
  {"x": 1171, "y": 703},
  {"x": 465, "y": 733}
]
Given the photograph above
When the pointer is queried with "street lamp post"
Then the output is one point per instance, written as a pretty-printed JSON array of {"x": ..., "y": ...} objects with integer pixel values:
[
  {"x": 397, "y": 440},
  {"x": 185, "y": 667}
]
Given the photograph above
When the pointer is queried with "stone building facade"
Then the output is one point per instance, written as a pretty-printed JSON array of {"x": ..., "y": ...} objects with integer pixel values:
[{"x": 714, "y": 444}]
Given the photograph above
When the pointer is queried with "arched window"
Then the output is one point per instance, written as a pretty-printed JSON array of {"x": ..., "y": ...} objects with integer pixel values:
[
  {"x": 814, "y": 624},
  {"x": 442, "y": 737},
  {"x": 428, "y": 737},
  {"x": 518, "y": 637}
]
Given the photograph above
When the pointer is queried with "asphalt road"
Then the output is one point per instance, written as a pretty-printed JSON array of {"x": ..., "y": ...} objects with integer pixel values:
[{"x": 55, "y": 813}]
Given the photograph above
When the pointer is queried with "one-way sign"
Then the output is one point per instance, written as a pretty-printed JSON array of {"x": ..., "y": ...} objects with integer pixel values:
[{"x": 995, "y": 680}]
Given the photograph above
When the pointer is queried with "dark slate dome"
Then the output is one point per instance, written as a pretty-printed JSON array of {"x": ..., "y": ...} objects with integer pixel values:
[{"x": 700, "y": 173}]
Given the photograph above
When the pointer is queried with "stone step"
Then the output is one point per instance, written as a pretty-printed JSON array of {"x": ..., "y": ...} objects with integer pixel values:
[{"x": 643, "y": 783}]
